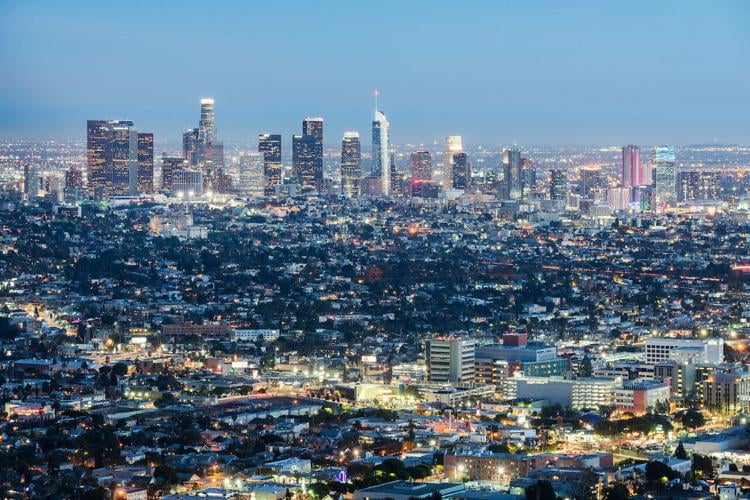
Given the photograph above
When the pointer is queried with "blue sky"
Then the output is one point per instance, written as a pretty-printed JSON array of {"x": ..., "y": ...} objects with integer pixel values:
[{"x": 562, "y": 72}]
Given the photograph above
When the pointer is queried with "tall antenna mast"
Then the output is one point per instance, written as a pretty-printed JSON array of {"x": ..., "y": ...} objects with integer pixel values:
[{"x": 376, "y": 99}]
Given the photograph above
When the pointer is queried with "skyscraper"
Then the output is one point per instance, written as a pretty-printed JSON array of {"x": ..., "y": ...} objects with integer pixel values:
[
  {"x": 251, "y": 176},
  {"x": 269, "y": 145},
  {"x": 380, "y": 150},
  {"x": 190, "y": 146},
  {"x": 558, "y": 185},
  {"x": 124, "y": 158},
  {"x": 513, "y": 173},
  {"x": 634, "y": 173},
  {"x": 207, "y": 131},
  {"x": 169, "y": 165},
  {"x": 698, "y": 185},
  {"x": 590, "y": 180},
  {"x": 313, "y": 127},
  {"x": 453, "y": 145},
  {"x": 528, "y": 176},
  {"x": 451, "y": 360},
  {"x": 396, "y": 178},
  {"x": 461, "y": 173},
  {"x": 420, "y": 166},
  {"x": 304, "y": 162},
  {"x": 665, "y": 182},
  {"x": 73, "y": 178},
  {"x": 99, "y": 156},
  {"x": 351, "y": 164},
  {"x": 146, "y": 163}
]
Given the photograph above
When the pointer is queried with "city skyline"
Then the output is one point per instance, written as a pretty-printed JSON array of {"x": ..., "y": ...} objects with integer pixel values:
[{"x": 587, "y": 74}]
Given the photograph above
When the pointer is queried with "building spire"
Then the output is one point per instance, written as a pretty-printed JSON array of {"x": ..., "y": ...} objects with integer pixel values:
[{"x": 376, "y": 92}]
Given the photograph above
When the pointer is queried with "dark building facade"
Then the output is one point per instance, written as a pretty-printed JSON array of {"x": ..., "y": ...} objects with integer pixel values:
[
  {"x": 269, "y": 145},
  {"x": 146, "y": 163}
]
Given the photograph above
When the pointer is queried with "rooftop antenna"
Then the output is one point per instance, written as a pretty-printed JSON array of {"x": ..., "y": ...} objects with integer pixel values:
[{"x": 376, "y": 92}]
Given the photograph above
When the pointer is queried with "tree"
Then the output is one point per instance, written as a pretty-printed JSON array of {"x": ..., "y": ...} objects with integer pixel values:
[
  {"x": 542, "y": 490},
  {"x": 166, "y": 474},
  {"x": 693, "y": 419},
  {"x": 120, "y": 369},
  {"x": 703, "y": 466},
  {"x": 165, "y": 400},
  {"x": 680, "y": 452},
  {"x": 618, "y": 491},
  {"x": 583, "y": 489},
  {"x": 319, "y": 489},
  {"x": 659, "y": 471},
  {"x": 499, "y": 448},
  {"x": 585, "y": 369}
]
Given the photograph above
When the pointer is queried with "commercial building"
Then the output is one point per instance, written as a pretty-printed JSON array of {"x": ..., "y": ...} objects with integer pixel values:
[
  {"x": 351, "y": 164},
  {"x": 513, "y": 174},
  {"x": 641, "y": 396},
  {"x": 577, "y": 393},
  {"x": 169, "y": 165},
  {"x": 658, "y": 349},
  {"x": 665, "y": 177},
  {"x": 450, "y": 360},
  {"x": 461, "y": 171},
  {"x": 485, "y": 466},
  {"x": 420, "y": 166},
  {"x": 698, "y": 185},
  {"x": 145, "y": 163},
  {"x": 727, "y": 392},
  {"x": 251, "y": 178},
  {"x": 269, "y": 145},
  {"x": 380, "y": 152},
  {"x": 187, "y": 183},
  {"x": 558, "y": 185},
  {"x": 408, "y": 490},
  {"x": 453, "y": 144},
  {"x": 496, "y": 362}
]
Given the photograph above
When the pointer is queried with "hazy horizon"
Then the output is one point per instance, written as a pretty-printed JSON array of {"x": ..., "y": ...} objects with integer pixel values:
[{"x": 582, "y": 73}]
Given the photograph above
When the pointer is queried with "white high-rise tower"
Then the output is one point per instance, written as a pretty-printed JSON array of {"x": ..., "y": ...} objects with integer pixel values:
[
  {"x": 453, "y": 145},
  {"x": 380, "y": 149}
]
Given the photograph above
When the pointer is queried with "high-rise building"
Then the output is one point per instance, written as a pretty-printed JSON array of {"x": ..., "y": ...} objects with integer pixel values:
[
  {"x": 590, "y": 180},
  {"x": 397, "y": 178},
  {"x": 513, "y": 174},
  {"x": 698, "y": 185},
  {"x": 73, "y": 178},
  {"x": 634, "y": 173},
  {"x": 420, "y": 166},
  {"x": 269, "y": 145},
  {"x": 124, "y": 158},
  {"x": 380, "y": 151},
  {"x": 205, "y": 151},
  {"x": 307, "y": 155},
  {"x": 304, "y": 162},
  {"x": 190, "y": 146},
  {"x": 207, "y": 131},
  {"x": 665, "y": 173},
  {"x": 450, "y": 360},
  {"x": 528, "y": 176},
  {"x": 188, "y": 183},
  {"x": 727, "y": 392},
  {"x": 146, "y": 163},
  {"x": 453, "y": 144},
  {"x": 31, "y": 180},
  {"x": 99, "y": 156},
  {"x": 558, "y": 185},
  {"x": 461, "y": 171},
  {"x": 351, "y": 164},
  {"x": 117, "y": 156},
  {"x": 169, "y": 165},
  {"x": 251, "y": 176}
]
